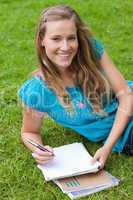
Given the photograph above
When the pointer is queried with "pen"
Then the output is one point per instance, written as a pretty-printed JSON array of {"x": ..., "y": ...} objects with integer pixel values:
[{"x": 39, "y": 146}]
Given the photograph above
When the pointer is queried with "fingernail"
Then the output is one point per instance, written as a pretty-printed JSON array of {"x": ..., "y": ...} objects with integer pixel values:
[{"x": 34, "y": 155}]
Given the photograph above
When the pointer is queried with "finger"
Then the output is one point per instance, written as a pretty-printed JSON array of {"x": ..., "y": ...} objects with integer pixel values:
[
  {"x": 49, "y": 148},
  {"x": 101, "y": 167},
  {"x": 96, "y": 157},
  {"x": 101, "y": 163},
  {"x": 93, "y": 160},
  {"x": 42, "y": 158},
  {"x": 42, "y": 162},
  {"x": 43, "y": 153}
]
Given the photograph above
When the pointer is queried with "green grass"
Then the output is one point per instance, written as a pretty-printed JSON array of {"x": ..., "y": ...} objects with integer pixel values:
[{"x": 20, "y": 179}]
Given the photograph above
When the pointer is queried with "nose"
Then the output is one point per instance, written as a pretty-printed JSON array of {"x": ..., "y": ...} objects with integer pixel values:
[{"x": 64, "y": 45}]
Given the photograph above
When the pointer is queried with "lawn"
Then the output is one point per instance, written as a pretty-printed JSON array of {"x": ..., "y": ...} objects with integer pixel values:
[{"x": 112, "y": 23}]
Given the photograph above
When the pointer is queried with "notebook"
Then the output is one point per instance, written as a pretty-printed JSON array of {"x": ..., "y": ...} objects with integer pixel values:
[
  {"x": 86, "y": 184},
  {"x": 69, "y": 160}
]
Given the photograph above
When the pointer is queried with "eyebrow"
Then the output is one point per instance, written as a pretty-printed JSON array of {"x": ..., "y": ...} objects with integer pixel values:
[{"x": 61, "y": 35}]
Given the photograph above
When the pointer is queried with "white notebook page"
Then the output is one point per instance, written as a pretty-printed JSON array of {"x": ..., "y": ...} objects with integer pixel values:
[{"x": 69, "y": 160}]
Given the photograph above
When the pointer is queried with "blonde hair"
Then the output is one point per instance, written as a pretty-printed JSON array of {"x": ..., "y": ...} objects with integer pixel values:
[{"x": 85, "y": 67}]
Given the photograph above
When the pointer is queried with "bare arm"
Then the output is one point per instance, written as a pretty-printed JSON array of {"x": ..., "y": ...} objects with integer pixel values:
[
  {"x": 31, "y": 126},
  {"x": 125, "y": 108},
  {"x": 32, "y": 121},
  {"x": 124, "y": 96}
]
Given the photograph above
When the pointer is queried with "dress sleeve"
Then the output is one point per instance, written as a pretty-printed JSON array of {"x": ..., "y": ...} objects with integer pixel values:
[
  {"x": 32, "y": 94},
  {"x": 97, "y": 48}
]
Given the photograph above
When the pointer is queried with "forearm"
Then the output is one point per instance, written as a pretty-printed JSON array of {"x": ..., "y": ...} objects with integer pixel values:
[
  {"x": 122, "y": 118},
  {"x": 29, "y": 135},
  {"x": 31, "y": 127}
]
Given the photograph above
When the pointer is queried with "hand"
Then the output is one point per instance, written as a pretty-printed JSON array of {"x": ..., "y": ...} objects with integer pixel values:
[
  {"x": 101, "y": 155},
  {"x": 43, "y": 157}
]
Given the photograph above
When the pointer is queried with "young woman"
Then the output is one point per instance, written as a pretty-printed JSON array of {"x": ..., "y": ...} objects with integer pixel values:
[{"x": 78, "y": 86}]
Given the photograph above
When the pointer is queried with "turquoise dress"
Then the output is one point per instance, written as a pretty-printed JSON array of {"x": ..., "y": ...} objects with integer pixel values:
[{"x": 36, "y": 94}]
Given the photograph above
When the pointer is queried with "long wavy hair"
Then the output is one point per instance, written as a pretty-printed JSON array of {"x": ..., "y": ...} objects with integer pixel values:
[{"x": 85, "y": 68}]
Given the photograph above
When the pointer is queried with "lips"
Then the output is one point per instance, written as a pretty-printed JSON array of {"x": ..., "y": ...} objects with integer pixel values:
[{"x": 64, "y": 55}]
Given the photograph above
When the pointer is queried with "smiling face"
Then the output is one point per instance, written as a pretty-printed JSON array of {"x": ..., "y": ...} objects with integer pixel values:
[{"x": 61, "y": 42}]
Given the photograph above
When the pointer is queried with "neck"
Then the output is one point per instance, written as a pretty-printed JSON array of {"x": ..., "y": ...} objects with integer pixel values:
[{"x": 66, "y": 73}]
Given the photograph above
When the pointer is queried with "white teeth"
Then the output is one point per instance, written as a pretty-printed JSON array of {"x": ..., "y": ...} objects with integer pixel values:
[{"x": 65, "y": 55}]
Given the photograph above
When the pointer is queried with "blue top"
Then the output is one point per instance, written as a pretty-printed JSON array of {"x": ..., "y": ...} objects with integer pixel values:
[{"x": 36, "y": 94}]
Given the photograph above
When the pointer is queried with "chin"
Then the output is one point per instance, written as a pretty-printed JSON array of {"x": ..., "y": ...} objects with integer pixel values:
[{"x": 63, "y": 65}]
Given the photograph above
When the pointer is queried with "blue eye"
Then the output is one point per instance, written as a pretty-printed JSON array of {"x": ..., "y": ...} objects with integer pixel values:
[
  {"x": 55, "y": 39},
  {"x": 72, "y": 38}
]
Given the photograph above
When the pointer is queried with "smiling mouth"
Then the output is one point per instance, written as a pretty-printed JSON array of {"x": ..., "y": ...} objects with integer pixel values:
[{"x": 65, "y": 56}]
